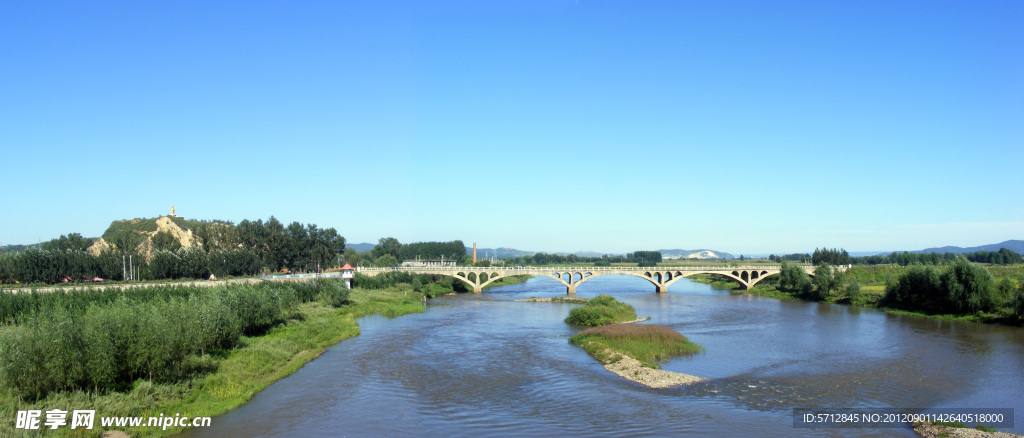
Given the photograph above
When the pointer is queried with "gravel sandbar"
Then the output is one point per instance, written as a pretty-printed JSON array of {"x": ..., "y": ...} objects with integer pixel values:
[{"x": 632, "y": 369}]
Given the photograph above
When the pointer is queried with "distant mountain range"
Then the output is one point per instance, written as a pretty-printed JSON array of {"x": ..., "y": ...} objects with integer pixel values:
[
  {"x": 361, "y": 247},
  {"x": 1016, "y": 246}
]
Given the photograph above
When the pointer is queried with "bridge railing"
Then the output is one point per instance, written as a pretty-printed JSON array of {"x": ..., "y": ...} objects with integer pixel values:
[{"x": 571, "y": 268}]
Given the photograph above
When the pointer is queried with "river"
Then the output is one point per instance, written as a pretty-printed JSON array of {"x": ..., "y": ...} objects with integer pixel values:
[{"x": 486, "y": 365}]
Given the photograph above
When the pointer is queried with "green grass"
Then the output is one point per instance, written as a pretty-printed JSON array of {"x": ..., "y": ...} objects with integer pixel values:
[
  {"x": 647, "y": 343},
  {"x": 237, "y": 375},
  {"x": 601, "y": 310}
]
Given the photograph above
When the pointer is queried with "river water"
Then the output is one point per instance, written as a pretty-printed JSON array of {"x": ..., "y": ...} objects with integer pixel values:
[{"x": 486, "y": 365}]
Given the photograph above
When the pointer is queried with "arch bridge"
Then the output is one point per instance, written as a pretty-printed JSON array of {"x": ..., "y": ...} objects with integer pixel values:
[{"x": 571, "y": 277}]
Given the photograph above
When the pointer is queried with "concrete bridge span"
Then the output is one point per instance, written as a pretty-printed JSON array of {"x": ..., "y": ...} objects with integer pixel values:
[{"x": 571, "y": 277}]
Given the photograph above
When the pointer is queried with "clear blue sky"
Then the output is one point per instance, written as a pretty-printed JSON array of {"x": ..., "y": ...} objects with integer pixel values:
[{"x": 746, "y": 127}]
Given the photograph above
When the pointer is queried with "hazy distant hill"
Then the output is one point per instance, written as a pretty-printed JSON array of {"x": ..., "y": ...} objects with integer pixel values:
[
  {"x": 1012, "y": 245},
  {"x": 698, "y": 254},
  {"x": 501, "y": 253},
  {"x": 361, "y": 247},
  {"x": 13, "y": 249}
]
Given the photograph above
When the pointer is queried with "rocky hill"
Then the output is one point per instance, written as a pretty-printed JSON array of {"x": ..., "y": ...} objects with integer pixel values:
[{"x": 143, "y": 236}]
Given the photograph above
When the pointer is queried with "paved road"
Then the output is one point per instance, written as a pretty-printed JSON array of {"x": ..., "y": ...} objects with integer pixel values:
[{"x": 123, "y": 286}]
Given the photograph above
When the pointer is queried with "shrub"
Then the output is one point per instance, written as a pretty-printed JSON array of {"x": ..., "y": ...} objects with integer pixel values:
[
  {"x": 919, "y": 288},
  {"x": 1018, "y": 301},
  {"x": 601, "y": 310},
  {"x": 853, "y": 292}
]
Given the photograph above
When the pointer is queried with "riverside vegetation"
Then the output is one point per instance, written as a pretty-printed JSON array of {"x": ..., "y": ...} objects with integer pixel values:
[
  {"x": 961, "y": 290},
  {"x": 198, "y": 351}
]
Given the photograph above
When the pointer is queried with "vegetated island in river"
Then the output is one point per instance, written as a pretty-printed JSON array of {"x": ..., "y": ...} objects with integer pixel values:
[{"x": 630, "y": 351}]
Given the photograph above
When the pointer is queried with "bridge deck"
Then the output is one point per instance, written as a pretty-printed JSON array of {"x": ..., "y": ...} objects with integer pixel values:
[{"x": 571, "y": 276}]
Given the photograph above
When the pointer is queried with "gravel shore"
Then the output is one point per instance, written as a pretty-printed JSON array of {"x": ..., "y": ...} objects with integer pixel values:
[
  {"x": 632, "y": 369},
  {"x": 932, "y": 431}
]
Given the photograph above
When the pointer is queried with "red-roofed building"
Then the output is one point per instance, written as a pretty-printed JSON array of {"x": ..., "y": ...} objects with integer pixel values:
[{"x": 348, "y": 273}]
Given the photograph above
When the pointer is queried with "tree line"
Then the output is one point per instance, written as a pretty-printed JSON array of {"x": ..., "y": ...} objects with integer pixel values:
[
  {"x": 839, "y": 256},
  {"x": 961, "y": 288},
  {"x": 642, "y": 258},
  {"x": 244, "y": 250},
  {"x": 56, "y": 266},
  {"x": 390, "y": 252},
  {"x": 830, "y": 256},
  {"x": 295, "y": 247},
  {"x": 794, "y": 257},
  {"x": 1002, "y": 257}
]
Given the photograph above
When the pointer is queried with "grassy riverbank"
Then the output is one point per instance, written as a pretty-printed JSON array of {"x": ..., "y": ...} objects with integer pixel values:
[
  {"x": 647, "y": 343},
  {"x": 505, "y": 281},
  {"x": 715, "y": 281},
  {"x": 230, "y": 378}
]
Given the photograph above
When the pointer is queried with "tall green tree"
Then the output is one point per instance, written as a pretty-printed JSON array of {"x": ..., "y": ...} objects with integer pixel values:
[
  {"x": 352, "y": 257},
  {"x": 385, "y": 261},
  {"x": 72, "y": 241},
  {"x": 969, "y": 287},
  {"x": 825, "y": 281},
  {"x": 794, "y": 279},
  {"x": 387, "y": 246}
]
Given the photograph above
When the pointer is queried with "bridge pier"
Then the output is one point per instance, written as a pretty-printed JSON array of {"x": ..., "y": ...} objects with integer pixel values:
[
  {"x": 477, "y": 289},
  {"x": 662, "y": 289},
  {"x": 571, "y": 289}
]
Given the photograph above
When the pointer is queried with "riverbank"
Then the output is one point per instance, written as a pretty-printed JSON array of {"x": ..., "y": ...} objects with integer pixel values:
[{"x": 238, "y": 374}]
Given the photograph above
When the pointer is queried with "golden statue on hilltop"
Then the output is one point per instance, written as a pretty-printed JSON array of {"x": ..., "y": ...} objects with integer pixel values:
[{"x": 172, "y": 211}]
